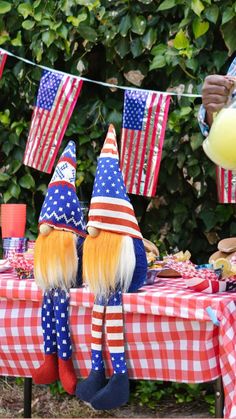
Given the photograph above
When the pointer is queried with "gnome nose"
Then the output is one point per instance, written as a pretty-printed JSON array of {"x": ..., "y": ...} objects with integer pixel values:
[
  {"x": 45, "y": 229},
  {"x": 93, "y": 231}
]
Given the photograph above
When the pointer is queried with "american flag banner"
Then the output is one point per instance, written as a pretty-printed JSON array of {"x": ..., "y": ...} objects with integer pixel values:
[
  {"x": 144, "y": 123},
  {"x": 3, "y": 57},
  {"x": 56, "y": 99},
  {"x": 226, "y": 185}
]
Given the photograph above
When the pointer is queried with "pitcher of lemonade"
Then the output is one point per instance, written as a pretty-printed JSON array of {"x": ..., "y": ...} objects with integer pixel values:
[{"x": 220, "y": 145}]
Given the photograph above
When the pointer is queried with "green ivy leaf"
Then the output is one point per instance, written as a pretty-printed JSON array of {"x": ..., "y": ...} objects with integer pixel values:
[
  {"x": 167, "y": 4},
  {"x": 122, "y": 47},
  {"x": 87, "y": 32},
  {"x": 199, "y": 28},
  {"x": 158, "y": 61},
  {"x": 139, "y": 25},
  {"x": 228, "y": 33},
  {"x": 17, "y": 42},
  {"x": 228, "y": 14},
  {"x": 5, "y": 7},
  {"x": 27, "y": 181},
  {"x": 25, "y": 9},
  {"x": 197, "y": 6},
  {"x": 125, "y": 25},
  {"x": 4, "y": 177},
  {"x": 28, "y": 24},
  {"x": 212, "y": 13},
  {"x": 149, "y": 38},
  {"x": 48, "y": 37},
  {"x": 136, "y": 47},
  {"x": 77, "y": 20},
  {"x": 181, "y": 41},
  {"x": 14, "y": 190}
]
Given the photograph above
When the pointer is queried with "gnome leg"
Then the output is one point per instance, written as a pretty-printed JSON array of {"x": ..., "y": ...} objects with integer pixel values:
[
  {"x": 96, "y": 380},
  {"x": 48, "y": 372},
  {"x": 116, "y": 392},
  {"x": 64, "y": 348}
]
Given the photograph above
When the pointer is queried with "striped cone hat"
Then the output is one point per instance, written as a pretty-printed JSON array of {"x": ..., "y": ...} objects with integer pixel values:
[
  {"x": 61, "y": 208},
  {"x": 110, "y": 207}
]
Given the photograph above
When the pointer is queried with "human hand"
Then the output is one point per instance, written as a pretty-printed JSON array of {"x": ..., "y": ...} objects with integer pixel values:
[{"x": 215, "y": 92}]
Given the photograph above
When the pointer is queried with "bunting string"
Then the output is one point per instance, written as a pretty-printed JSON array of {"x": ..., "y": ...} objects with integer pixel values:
[{"x": 101, "y": 83}]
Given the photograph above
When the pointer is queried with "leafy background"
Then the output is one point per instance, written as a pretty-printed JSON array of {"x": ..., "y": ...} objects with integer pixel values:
[{"x": 158, "y": 45}]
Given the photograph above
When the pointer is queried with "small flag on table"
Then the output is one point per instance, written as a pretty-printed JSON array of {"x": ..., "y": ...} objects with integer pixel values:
[
  {"x": 3, "y": 57},
  {"x": 226, "y": 185},
  {"x": 144, "y": 123},
  {"x": 56, "y": 99}
]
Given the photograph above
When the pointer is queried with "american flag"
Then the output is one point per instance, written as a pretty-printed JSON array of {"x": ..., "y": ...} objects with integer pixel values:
[
  {"x": 110, "y": 207},
  {"x": 56, "y": 99},
  {"x": 226, "y": 185},
  {"x": 3, "y": 57},
  {"x": 144, "y": 123}
]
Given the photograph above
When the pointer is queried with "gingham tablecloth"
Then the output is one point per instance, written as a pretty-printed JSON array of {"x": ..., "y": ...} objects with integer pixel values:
[{"x": 169, "y": 334}]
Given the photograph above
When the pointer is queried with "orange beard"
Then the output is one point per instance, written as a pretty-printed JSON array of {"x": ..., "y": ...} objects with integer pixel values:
[
  {"x": 101, "y": 256},
  {"x": 55, "y": 260}
]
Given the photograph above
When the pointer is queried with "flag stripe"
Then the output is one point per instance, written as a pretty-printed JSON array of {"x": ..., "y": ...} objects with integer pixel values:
[
  {"x": 134, "y": 165},
  {"x": 160, "y": 144}
]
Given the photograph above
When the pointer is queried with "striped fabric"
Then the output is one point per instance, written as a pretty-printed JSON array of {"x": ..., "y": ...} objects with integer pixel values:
[
  {"x": 110, "y": 207},
  {"x": 114, "y": 328},
  {"x": 226, "y": 185},
  {"x": 56, "y": 100},
  {"x": 144, "y": 122},
  {"x": 97, "y": 327},
  {"x": 3, "y": 57}
]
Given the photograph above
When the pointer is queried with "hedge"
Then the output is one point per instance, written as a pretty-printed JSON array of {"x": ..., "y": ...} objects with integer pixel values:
[{"x": 157, "y": 45}]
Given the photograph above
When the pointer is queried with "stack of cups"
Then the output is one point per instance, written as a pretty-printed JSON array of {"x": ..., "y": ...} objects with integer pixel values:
[{"x": 13, "y": 222}]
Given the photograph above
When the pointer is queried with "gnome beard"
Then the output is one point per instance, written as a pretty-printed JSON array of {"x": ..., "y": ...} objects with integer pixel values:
[
  {"x": 109, "y": 262},
  {"x": 56, "y": 265}
]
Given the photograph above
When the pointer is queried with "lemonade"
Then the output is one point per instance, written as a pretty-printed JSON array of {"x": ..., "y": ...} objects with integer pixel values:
[{"x": 220, "y": 145}]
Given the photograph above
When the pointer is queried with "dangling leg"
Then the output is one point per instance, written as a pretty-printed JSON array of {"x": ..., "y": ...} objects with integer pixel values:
[
  {"x": 116, "y": 392},
  {"x": 96, "y": 380},
  {"x": 66, "y": 369},
  {"x": 48, "y": 372}
]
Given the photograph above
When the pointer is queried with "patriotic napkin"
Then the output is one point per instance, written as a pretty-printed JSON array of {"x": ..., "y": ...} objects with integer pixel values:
[
  {"x": 56, "y": 100},
  {"x": 144, "y": 123}
]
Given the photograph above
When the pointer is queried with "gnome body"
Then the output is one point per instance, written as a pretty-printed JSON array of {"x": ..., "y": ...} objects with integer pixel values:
[
  {"x": 58, "y": 260},
  {"x": 114, "y": 261}
]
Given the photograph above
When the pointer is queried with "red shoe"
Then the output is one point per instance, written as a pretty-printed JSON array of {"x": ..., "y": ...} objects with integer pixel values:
[
  {"x": 48, "y": 372},
  {"x": 67, "y": 375}
]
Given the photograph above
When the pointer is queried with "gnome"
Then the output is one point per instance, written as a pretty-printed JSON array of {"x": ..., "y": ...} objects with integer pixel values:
[
  {"x": 57, "y": 268},
  {"x": 114, "y": 262}
]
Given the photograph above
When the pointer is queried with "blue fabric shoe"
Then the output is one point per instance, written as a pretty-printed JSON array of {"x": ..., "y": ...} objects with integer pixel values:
[
  {"x": 113, "y": 395},
  {"x": 88, "y": 388}
]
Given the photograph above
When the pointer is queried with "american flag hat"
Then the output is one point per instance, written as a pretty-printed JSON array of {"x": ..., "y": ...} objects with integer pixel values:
[
  {"x": 61, "y": 208},
  {"x": 110, "y": 207}
]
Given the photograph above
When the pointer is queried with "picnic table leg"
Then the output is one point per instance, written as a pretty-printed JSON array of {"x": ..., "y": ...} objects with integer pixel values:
[
  {"x": 27, "y": 397},
  {"x": 219, "y": 398}
]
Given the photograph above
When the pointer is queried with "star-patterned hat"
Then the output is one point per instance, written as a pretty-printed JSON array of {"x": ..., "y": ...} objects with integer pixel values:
[
  {"x": 110, "y": 207},
  {"x": 61, "y": 208}
]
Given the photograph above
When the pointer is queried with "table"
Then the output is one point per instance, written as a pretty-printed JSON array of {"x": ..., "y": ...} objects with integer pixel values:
[{"x": 169, "y": 334}]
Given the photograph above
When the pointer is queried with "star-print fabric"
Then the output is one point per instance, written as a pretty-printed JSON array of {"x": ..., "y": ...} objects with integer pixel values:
[
  {"x": 55, "y": 323},
  {"x": 110, "y": 207},
  {"x": 61, "y": 207}
]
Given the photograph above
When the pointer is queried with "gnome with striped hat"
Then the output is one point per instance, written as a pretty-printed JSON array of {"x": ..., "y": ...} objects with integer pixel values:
[
  {"x": 114, "y": 261},
  {"x": 57, "y": 268}
]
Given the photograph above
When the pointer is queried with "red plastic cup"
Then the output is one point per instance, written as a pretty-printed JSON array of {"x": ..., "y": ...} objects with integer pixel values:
[{"x": 13, "y": 220}]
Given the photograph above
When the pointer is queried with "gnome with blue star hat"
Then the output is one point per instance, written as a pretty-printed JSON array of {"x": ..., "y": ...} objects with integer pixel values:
[{"x": 57, "y": 268}]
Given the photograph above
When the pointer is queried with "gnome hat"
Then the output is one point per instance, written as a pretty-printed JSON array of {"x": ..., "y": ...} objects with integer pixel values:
[
  {"x": 110, "y": 207},
  {"x": 61, "y": 208}
]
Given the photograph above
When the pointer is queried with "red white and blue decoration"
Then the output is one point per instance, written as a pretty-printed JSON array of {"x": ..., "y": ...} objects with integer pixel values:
[
  {"x": 3, "y": 57},
  {"x": 55, "y": 103},
  {"x": 110, "y": 207},
  {"x": 61, "y": 208},
  {"x": 144, "y": 123}
]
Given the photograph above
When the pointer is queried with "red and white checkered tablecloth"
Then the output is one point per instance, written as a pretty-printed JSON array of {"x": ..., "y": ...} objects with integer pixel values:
[{"x": 169, "y": 335}]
